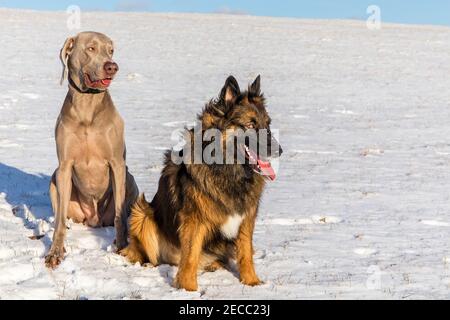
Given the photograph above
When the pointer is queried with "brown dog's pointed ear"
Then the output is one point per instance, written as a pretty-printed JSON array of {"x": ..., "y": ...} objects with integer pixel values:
[
  {"x": 230, "y": 91},
  {"x": 255, "y": 88},
  {"x": 64, "y": 55}
]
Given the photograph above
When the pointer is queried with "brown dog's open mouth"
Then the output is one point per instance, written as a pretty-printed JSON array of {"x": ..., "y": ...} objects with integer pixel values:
[
  {"x": 260, "y": 166},
  {"x": 102, "y": 83}
]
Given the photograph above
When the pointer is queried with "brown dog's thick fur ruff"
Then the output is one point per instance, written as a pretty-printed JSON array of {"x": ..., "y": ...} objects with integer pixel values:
[{"x": 204, "y": 215}]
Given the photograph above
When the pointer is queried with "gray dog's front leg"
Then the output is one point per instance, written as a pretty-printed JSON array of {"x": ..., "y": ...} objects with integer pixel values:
[
  {"x": 64, "y": 187},
  {"x": 120, "y": 221}
]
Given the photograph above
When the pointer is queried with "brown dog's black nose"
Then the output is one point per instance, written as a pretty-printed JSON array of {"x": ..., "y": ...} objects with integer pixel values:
[
  {"x": 111, "y": 68},
  {"x": 280, "y": 151}
]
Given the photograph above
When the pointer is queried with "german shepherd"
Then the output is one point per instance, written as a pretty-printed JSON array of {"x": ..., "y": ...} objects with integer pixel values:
[{"x": 203, "y": 214}]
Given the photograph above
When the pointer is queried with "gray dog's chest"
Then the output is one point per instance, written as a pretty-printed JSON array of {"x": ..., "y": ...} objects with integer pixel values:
[{"x": 91, "y": 156}]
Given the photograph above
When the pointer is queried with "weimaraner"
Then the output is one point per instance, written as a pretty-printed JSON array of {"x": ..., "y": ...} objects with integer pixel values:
[{"x": 92, "y": 184}]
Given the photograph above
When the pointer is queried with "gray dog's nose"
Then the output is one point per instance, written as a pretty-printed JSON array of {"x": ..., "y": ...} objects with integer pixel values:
[{"x": 111, "y": 68}]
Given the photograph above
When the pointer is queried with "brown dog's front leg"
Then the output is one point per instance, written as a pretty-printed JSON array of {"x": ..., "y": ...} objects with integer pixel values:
[
  {"x": 64, "y": 187},
  {"x": 192, "y": 236},
  {"x": 120, "y": 221},
  {"x": 244, "y": 248}
]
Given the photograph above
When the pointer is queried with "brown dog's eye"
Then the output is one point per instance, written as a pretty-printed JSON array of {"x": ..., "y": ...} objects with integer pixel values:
[
  {"x": 92, "y": 49},
  {"x": 111, "y": 51}
]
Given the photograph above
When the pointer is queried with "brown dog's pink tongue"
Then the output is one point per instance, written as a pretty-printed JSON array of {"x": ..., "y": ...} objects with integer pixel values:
[
  {"x": 106, "y": 82},
  {"x": 266, "y": 169}
]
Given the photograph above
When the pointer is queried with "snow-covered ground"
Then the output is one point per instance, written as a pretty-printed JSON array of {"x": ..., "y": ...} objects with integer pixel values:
[{"x": 361, "y": 208}]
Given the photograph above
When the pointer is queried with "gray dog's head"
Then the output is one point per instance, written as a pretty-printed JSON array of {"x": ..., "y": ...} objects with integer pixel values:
[{"x": 87, "y": 61}]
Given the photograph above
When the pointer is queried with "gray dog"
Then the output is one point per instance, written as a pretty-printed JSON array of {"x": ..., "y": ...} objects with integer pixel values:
[{"x": 92, "y": 184}]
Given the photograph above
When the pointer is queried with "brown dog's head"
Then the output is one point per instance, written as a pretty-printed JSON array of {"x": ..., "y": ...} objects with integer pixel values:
[
  {"x": 87, "y": 61},
  {"x": 244, "y": 117}
]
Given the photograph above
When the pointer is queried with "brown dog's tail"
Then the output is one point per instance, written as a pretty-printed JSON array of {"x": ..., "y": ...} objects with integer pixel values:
[
  {"x": 144, "y": 233},
  {"x": 139, "y": 212}
]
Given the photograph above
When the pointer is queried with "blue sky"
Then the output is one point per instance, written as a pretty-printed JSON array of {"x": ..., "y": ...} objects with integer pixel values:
[{"x": 401, "y": 11}]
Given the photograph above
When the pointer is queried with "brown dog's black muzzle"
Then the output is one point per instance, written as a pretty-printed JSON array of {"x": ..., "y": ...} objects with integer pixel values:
[
  {"x": 267, "y": 148},
  {"x": 275, "y": 148}
]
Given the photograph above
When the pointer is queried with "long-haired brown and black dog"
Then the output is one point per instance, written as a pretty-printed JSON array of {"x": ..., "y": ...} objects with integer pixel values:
[{"x": 203, "y": 214}]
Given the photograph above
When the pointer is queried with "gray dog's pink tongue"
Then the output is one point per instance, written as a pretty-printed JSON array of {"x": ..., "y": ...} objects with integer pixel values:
[{"x": 98, "y": 83}]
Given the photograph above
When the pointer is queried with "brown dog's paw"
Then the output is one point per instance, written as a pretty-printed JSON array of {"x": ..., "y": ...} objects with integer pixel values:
[
  {"x": 213, "y": 267},
  {"x": 54, "y": 258},
  {"x": 251, "y": 281},
  {"x": 124, "y": 252},
  {"x": 127, "y": 253},
  {"x": 132, "y": 255},
  {"x": 186, "y": 283}
]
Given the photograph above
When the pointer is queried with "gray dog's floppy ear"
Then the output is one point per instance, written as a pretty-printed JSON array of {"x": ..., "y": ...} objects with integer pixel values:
[{"x": 64, "y": 55}]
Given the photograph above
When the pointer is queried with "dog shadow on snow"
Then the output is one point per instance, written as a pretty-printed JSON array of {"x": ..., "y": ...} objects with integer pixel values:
[
  {"x": 22, "y": 188},
  {"x": 28, "y": 196}
]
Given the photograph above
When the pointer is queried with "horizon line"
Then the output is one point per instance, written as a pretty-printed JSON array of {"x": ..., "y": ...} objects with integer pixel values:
[{"x": 231, "y": 13}]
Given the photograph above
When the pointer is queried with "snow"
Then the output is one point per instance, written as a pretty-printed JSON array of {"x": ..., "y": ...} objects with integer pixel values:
[{"x": 361, "y": 205}]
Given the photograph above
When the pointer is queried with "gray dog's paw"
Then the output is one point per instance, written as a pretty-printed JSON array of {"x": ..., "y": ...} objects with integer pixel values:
[{"x": 54, "y": 258}]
